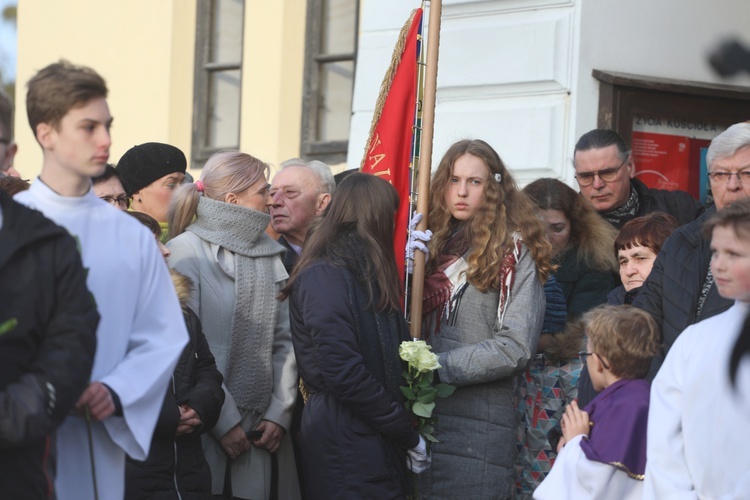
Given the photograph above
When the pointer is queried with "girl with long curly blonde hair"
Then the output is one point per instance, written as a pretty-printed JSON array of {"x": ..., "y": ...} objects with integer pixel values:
[{"x": 484, "y": 304}]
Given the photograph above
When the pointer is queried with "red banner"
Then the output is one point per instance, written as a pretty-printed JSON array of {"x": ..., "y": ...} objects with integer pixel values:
[{"x": 388, "y": 150}]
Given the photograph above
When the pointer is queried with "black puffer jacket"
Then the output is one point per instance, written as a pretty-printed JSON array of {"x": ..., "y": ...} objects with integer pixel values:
[
  {"x": 679, "y": 204},
  {"x": 670, "y": 293},
  {"x": 177, "y": 464},
  {"x": 46, "y": 358}
]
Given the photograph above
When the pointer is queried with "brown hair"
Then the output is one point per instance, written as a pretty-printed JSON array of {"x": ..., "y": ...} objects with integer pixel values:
[
  {"x": 736, "y": 216},
  {"x": 490, "y": 230},
  {"x": 109, "y": 172},
  {"x": 13, "y": 185},
  {"x": 626, "y": 336},
  {"x": 649, "y": 231},
  {"x": 363, "y": 205},
  {"x": 147, "y": 221},
  {"x": 591, "y": 234},
  {"x": 58, "y": 88}
]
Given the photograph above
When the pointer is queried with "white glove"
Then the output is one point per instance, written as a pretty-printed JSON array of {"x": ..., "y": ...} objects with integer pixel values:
[
  {"x": 417, "y": 240},
  {"x": 417, "y": 459}
]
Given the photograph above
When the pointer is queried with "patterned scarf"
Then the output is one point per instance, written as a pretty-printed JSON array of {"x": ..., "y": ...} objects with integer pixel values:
[
  {"x": 240, "y": 230},
  {"x": 620, "y": 215},
  {"x": 441, "y": 297}
]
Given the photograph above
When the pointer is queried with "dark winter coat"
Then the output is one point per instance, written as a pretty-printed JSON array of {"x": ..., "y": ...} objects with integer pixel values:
[
  {"x": 177, "y": 464},
  {"x": 670, "y": 293},
  {"x": 584, "y": 288},
  {"x": 46, "y": 358},
  {"x": 679, "y": 204},
  {"x": 354, "y": 431}
]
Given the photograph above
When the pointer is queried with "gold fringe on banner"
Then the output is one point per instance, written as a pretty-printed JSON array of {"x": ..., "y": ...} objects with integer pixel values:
[{"x": 385, "y": 87}]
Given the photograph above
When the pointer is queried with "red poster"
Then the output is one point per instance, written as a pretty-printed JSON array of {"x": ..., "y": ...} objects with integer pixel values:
[{"x": 663, "y": 162}]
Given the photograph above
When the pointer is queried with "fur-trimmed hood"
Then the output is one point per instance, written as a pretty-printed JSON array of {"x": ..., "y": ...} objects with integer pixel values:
[
  {"x": 183, "y": 286},
  {"x": 564, "y": 346}
]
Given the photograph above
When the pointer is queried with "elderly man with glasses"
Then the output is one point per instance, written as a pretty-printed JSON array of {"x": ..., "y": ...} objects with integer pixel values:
[
  {"x": 680, "y": 290},
  {"x": 299, "y": 193},
  {"x": 604, "y": 172}
]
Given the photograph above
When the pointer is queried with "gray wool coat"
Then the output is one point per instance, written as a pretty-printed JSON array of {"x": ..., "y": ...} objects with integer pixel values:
[
  {"x": 476, "y": 425},
  {"x": 211, "y": 268}
]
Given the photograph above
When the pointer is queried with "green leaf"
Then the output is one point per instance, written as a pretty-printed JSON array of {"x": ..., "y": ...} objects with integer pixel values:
[
  {"x": 430, "y": 438},
  {"x": 444, "y": 390},
  {"x": 427, "y": 396},
  {"x": 423, "y": 383},
  {"x": 408, "y": 393},
  {"x": 423, "y": 409},
  {"x": 8, "y": 325},
  {"x": 427, "y": 429}
]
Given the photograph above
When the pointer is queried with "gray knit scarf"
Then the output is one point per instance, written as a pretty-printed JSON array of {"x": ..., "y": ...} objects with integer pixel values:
[{"x": 249, "y": 372}]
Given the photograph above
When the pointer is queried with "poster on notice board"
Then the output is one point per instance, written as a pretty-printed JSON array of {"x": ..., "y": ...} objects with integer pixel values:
[{"x": 670, "y": 154}]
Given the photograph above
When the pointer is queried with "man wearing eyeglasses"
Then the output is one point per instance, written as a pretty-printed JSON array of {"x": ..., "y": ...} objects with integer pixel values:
[
  {"x": 604, "y": 172},
  {"x": 8, "y": 148},
  {"x": 680, "y": 290},
  {"x": 299, "y": 193},
  {"x": 109, "y": 188}
]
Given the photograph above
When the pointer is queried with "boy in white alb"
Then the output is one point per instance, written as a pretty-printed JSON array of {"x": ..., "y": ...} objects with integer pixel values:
[
  {"x": 698, "y": 428},
  {"x": 141, "y": 333},
  {"x": 604, "y": 453}
]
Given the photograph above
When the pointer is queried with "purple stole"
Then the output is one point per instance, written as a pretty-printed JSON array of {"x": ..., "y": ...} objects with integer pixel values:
[{"x": 619, "y": 418}]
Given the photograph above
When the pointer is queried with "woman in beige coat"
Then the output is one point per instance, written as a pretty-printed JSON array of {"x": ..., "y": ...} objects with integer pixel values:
[{"x": 219, "y": 242}]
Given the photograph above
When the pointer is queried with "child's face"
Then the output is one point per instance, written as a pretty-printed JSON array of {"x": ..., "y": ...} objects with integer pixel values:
[
  {"x": 80, "y": 144},
  {"x": 730, "y": 264}
]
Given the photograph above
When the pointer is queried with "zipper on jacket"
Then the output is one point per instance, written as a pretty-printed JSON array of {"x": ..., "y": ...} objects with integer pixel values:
[{"x": 174, "y": 444}]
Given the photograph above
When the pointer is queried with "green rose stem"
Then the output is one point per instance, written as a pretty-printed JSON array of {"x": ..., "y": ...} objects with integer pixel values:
[{"x": 87, "y": 411}]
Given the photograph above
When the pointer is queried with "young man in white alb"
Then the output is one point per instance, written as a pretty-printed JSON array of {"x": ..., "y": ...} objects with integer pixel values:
[{"x": 141, "y": 333}]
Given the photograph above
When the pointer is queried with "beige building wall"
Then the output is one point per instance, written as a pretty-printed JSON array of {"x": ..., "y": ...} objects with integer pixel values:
[
  {"x": 145, "y": 50},
  {"x": 272, "y": 79}
]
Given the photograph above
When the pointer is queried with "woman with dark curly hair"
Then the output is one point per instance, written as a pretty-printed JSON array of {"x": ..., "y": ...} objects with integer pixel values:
[{"x": 483, "y": 306}]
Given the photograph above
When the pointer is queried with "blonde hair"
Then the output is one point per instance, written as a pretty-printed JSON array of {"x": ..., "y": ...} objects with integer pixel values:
[
  {"x": 225, "y": 172},
  {"x": 505, "y": 210},
  {"x": 626, "y": 336},
  {"x": 592, "y": 235}
]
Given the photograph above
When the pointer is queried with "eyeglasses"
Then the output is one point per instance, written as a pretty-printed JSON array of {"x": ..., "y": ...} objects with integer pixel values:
[
  {"x": 582, "y": 356},
  {"x": 120, "y": 201},
  {"x": 605, "y": 174},
  {"x": 722, "y": 177}
]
